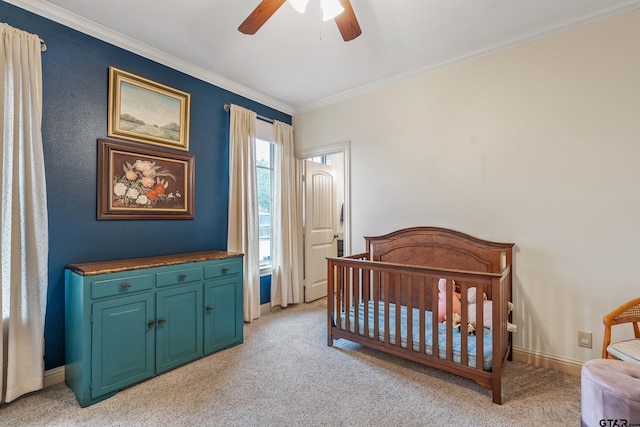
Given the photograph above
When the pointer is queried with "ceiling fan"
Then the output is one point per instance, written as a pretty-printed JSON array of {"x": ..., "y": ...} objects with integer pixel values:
[{"x": 338, "y": 10}]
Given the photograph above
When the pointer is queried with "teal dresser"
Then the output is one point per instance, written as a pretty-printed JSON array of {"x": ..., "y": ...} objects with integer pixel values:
[{"x": 129, "y": 320}]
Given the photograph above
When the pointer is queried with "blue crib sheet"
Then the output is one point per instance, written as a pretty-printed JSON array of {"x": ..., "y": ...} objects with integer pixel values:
[{"x": 442, "y": 335}]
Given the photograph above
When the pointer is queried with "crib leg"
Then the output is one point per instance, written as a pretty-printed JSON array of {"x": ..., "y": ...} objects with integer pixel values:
[
  {"x": 496, "y": 390},
  {"x": 331, "y": 323},
  {"x": 497, "y": 397}
]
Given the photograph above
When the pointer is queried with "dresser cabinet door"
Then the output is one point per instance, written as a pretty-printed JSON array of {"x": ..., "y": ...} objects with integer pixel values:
[
  {"x": 223, "y": 313},
  {"x": 178, "y": 326},
  {"x": 122, "y": 343}
]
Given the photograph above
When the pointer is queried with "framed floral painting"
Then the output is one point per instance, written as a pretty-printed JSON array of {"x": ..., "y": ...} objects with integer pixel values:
[
  {"x": 145, "y": 111},
  {"x": 141, "y": 182}
]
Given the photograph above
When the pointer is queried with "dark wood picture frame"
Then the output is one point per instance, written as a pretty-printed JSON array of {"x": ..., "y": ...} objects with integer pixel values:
[{"x": 136, "y": 181}]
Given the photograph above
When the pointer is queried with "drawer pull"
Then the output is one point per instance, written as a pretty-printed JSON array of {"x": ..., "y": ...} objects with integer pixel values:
[
  {"x": 209, "y": 308},
  {"x": 161, "y": 322},
  {"x": 150, "y": 324},
  {"x": 182, "y": 276},
  {"x": 225, "y": 270},
  {"x": 125, "y": 285}
]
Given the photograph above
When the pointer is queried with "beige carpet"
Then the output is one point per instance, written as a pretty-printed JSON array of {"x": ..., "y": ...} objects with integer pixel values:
[{"x": 285, "y": 375}]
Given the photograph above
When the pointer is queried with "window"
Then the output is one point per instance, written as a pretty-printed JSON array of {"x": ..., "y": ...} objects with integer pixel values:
[
  {"x": 264, "y": 163},
  {"x": 325, "y": 160}
]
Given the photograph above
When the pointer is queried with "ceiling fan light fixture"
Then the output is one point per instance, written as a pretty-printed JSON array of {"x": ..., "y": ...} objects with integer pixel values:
[
  {"x": 330, "y": 9},
  {"x": 299, "y": 5}
]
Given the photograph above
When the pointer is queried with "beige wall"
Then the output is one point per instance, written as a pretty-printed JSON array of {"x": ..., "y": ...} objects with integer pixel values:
[{"x": 537, "y": 145}]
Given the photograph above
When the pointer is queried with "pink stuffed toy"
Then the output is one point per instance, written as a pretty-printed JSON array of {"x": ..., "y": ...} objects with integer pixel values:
[{"x": 442, "y": 300}]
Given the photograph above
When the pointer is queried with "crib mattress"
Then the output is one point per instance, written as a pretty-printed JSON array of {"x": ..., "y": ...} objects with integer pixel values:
[{"x": 442, "y": 335}]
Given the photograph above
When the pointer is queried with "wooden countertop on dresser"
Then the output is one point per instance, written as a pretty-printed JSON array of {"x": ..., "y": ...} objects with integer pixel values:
[{"x": 115, "y": 266}]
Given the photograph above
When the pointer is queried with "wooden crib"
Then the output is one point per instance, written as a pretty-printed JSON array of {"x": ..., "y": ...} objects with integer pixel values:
[{"x": 394, "y": 287}]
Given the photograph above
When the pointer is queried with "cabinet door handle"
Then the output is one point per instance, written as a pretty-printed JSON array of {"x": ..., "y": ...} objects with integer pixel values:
[
  {"x": 161, "y": 322},
  {"x": 209, "y": 308},
  {"x": 125, "y": 285},
  {"x": 150, "y": 324},
  {"x": 182, "y": 276},
  {"x": 225, "y": 270}
]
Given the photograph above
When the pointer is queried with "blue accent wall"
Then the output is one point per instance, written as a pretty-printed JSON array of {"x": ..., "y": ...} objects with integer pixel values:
[
  {"x": 265, "y": 289},
  {"x": 75, "y": 87}
]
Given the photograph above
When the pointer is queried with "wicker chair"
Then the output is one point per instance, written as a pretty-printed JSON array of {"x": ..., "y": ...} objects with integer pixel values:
[{"x": 628, "y": 350}]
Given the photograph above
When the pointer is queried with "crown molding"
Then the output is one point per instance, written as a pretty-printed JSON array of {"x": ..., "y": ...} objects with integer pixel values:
[
  {"x": 86, "y": 26},
  {"x": 592, "y": 15},
  {"x": 103, "y": 33}
]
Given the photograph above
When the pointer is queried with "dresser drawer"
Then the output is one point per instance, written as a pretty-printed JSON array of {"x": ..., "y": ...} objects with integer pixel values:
[
  {"x": 222, "y": 269},
  {"x": 174, "y": 277},
  {"x": 120, "y": 286}
]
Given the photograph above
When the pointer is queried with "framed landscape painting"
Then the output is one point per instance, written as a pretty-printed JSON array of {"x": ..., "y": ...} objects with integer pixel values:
[
  {"x": 142, "y": 182},
  {"x": 145, "y": 111}
]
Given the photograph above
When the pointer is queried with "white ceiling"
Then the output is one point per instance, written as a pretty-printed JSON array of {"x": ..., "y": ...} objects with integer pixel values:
[{"x": 297, "y": 62}]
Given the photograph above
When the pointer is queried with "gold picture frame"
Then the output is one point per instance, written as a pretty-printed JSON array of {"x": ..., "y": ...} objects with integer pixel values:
[
  {"x": 136, "y": 181},
  {"x": 145, "y": 111}
]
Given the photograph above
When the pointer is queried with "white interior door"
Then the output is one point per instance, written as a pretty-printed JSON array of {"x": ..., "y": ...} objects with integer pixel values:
[{"x": 320, "y": 227}]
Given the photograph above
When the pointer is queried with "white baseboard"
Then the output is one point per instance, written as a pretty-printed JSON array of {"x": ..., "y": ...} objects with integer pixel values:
[
  {"x": 54, "y": 376},
  {"x": 568, "y": 366}
]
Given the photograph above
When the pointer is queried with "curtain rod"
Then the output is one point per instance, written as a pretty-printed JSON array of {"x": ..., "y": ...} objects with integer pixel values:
[
  {"x": 227, "y": 107},
  {"x": 43, "y": 45}
]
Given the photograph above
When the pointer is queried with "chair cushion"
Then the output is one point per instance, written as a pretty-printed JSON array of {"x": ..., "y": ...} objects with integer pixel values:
[{"x": 628, "y": 350}]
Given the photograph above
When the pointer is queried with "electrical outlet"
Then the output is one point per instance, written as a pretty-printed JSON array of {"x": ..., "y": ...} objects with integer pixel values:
[{"x": 584, "y": 339}]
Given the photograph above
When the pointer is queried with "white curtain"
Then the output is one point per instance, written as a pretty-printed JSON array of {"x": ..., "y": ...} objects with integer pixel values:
[
  {"x": 243, "y": 204},
  {"x": 287, "y": 224},
  {"x": 24, "y": 233}
]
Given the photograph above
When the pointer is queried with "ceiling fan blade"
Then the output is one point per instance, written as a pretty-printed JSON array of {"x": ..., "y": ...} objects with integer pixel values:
[
  {"x": 347, "y": 22},
  {"x": 259, "y": 16}
]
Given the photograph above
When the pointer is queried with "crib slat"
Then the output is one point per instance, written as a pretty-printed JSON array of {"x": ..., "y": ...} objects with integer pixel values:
[
  {"x": 409, "y": 286},
  {"x": 365, "y": 274},
  {"x": 398, "y": 287},
  {"x": 376, "y": 304},
  {"x": 355, "y": 290},
  {"x": 338, "y": 294},
  {"x": 387, "y": 292},
  {"x": 423, "y": 316},
  {"x": 464, "y": 319},
  {"x": 435, "y": 345},
  {"x": 449, "y": 328},
  {"x": 480, "y": 326},
  {"x": 346, "y": 291}
]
